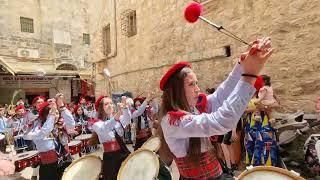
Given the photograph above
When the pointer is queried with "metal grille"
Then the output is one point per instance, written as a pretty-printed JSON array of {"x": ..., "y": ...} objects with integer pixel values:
[
  {"x": 106, "y": 40},
  {"x": 26, "y": 25},
  {"x": 129, "y": 23},
  {"x": 86, "y": 38}
]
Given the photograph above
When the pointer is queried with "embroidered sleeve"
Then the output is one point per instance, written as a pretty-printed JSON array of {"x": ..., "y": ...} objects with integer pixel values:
[
  {"x": 140, "y": 110},
  {"x": 44, "y": 131},
  {"x": 68, "y": 119},
  {"x": 214, "y": 123},
  {"x": 104, "y": 126},
  {"x": 125, "y": 117}
]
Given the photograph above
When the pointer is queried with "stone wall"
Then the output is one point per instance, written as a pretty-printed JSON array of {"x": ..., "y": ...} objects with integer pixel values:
[
  {"x": 163, "y": 38},
  {"x": 70, "y": 18}
]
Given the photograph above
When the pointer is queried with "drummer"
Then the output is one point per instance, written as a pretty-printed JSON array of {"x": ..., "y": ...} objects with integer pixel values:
[
  {"x": 39, "y": 133},
  {"x": 66, "y": 121},
  {"x": 81, "y": 118},
  {"x": 185, "y": 131},
  {"x": 18, "y": 119},
  {"x": 109, "y": 129},
  {"x": 19, "y": 126},
  {"x": 141, "y": 117},
  {"x": 31, "y": 116}
]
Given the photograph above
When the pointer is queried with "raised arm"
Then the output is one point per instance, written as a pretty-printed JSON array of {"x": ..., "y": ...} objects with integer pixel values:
[
  {"x": 140, "y": 110},
  {"x": 214, "y": 123},
  {"x": 68, "y": 118},
  {"x": 44, "y": 131},
  {"x": 216, "y": 99}
]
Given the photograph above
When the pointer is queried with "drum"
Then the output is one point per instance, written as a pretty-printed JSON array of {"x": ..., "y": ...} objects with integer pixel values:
[
  {"x": 268, "y": 173},
  {"x": 75, "y": 147},
  {"x": 26, "y": 159},
  {"x": 84, "y": 168},
  {"x": 142, "y": 164},
  {"x": 84, "y": 138},
  {"x": 152, "y": 144}
]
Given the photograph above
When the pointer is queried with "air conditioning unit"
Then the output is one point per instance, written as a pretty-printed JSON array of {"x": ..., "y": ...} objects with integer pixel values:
[{"x": 28, "y": 53}]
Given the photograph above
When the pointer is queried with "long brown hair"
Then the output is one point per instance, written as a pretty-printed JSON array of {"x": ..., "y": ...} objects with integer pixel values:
[
  {"x": 174, "y": 99},
  {"x": 101, "y": 113},
  {"x": 45, "y": 114}
]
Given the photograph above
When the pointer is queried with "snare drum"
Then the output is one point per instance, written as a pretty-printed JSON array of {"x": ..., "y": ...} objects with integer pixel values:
[
  {"x": 268, "y": 173},
  {"x": 84, "y": 168},
  {"x": 75, "y": 147},
  {"x": 84, "y": 138},
  {"x": 26, "y": 159},
  {"x": 152, "y": 144}
]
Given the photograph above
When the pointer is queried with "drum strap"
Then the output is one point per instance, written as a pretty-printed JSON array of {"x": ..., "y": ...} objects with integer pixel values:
[{"x": 120, "y": 141}]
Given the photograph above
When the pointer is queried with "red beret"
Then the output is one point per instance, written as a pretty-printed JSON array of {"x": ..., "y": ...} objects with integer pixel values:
[
  {"x": 75, "y": 108},
  {"x": 41, "y": 108},
  {"x": 19, "y": 107},
  {"x": 37, "y": 98},
  {"x": 259, "y": 83},
  {"x": 140, "y": 99},
  {"x": 174, "y": 68}
]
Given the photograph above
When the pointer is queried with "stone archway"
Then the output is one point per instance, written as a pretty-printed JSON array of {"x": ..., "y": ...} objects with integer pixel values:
[{"x": 68, "y": 67}]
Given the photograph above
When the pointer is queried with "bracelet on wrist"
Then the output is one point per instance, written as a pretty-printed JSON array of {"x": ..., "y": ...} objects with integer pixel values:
[{"x": 249, "y": 75}]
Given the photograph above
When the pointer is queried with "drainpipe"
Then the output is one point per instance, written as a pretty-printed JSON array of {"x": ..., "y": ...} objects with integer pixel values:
[{"x": 114, "y": 52}]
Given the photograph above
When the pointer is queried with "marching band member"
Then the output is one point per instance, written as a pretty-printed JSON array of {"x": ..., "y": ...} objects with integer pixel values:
[
  {"x": 33, "y": 113},
  {"x": 81, "y": 118},
  {"x": 110, "y": 129},
  {"x": 141, "y": 117},
  {"x": 19, "y": 127},
  {"x": 39, "y": 133},
  {"x": 185, "y": 131},
  {"x": 66, "y": 121}
]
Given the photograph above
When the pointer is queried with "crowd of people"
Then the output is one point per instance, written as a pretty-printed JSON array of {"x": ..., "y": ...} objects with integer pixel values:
[{"x": 198, "y": 130}]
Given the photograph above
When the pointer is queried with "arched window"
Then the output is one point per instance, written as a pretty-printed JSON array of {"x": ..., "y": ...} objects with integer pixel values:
[{"x": 68, "y": 67}]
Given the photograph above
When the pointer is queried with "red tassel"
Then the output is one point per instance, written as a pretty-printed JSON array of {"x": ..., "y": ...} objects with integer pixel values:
[{"x": 174, "y": 116}]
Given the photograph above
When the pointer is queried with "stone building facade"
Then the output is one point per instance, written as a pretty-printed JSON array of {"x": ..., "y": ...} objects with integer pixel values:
[
  {"x": 54, "y": 45},
  {"x": 163, "y": 37}
]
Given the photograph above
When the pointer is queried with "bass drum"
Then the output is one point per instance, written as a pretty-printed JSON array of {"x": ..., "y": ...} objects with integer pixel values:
[
  {"x": 142, "y": 164},
  {"x": 84, "y": 168},
  {"x": 152, "y": 144},
  {"x": 268, "y": 173}
]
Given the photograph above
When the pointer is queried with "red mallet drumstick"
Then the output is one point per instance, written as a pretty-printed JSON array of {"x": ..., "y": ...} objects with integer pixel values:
[{"x": 193, "y": 12}]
